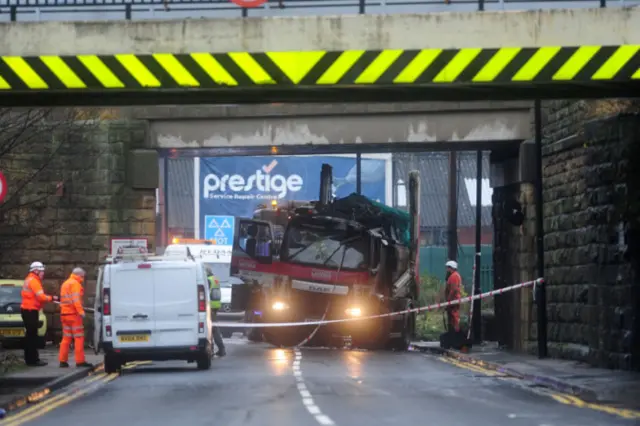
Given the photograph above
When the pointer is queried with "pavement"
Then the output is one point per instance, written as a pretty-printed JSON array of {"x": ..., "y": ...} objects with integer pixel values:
[
  {"x": 29, "y": 379},
  {"x": 604, "y": 386},
  {"x": 259, "y": 385}
]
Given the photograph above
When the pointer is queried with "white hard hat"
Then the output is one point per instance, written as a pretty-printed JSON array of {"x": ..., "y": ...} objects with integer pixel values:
[
  {"x": 452, "y": 264},
  {"x": 36, "y": 266}
]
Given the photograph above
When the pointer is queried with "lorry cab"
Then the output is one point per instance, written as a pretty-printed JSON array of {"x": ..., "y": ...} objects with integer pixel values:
[
  {"x": 254, "y": 263},
  {"x": 153, "y": 308}
]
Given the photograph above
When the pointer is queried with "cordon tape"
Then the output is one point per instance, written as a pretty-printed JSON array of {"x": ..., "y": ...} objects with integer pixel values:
[
  {"x": 462, "y": 300},
  {"x": 85, "y": 308}
]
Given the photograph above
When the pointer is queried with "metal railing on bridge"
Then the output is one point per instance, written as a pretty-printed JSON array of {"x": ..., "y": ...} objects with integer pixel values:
[{"x": 54, "y": 10}]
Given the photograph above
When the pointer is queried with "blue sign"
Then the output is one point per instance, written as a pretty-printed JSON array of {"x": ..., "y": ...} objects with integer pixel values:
[
  {"x": 237, "y": 186},
  {"x": 220, "y": 228}
]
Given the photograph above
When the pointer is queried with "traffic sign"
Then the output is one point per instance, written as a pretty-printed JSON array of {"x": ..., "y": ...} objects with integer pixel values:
[
  {"x": 249, "y": 3},
  {"x": 3, "y": 187},
  {"x": 220, "y": 229}
]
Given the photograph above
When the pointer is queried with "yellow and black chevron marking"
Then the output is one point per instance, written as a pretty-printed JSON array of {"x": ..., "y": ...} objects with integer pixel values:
[{"x": 322, "y": 68}]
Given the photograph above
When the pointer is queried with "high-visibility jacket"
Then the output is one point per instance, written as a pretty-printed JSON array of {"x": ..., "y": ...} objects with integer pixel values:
[
  {"x": 453, "y": 289},
  {"x": 71, "y": 295},
  {"x": 214, "y": 283},
  {"x": 33, "y": 296}
]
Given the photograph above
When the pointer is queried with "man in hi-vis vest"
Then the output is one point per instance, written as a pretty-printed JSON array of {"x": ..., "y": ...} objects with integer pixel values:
[{"x": 215, "y": 306}]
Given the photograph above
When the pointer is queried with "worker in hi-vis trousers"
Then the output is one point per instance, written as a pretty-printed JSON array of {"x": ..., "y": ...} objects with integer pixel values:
[
  {"x": 453, "y": 291},
  {"x": 215, "y": 306},
  {"x": 72, "y": 318}
]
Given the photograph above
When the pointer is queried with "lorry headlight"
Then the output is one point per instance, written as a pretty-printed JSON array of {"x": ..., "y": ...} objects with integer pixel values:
[
  {"x": 354, "y": 311},
  {"x": 279, "y": 306}
]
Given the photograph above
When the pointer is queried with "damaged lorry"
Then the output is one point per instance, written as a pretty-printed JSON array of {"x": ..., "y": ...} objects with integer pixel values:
[{"x": 344, "y": 258}]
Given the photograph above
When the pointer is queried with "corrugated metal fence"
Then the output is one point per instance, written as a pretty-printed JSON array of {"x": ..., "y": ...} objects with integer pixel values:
[{"x": 432, "y": 260}]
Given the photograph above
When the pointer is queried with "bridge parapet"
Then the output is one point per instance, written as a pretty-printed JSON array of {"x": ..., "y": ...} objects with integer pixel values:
[{"x": 80, "y": 10}]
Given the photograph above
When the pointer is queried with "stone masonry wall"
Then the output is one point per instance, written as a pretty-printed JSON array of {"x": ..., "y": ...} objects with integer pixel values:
[
  {"x": 74, "y": 205},
  {"x": 514, "y": 251},
  {"x": 591, "y": 210}
]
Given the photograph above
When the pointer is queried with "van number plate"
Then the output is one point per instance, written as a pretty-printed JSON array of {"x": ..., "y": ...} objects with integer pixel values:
[{"x": 134, "y": 338}]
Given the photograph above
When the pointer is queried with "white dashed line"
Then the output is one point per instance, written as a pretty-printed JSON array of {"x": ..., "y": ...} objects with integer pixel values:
[
  {"x": 313, "y": 410},
  {"x": 307, "y": 399}
]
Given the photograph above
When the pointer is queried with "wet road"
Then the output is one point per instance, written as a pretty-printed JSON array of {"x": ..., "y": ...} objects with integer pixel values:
[{"x": 257, "y": 385}]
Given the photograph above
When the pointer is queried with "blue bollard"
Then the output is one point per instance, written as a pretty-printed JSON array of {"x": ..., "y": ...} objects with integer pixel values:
[{"x": 2, "y": 413}]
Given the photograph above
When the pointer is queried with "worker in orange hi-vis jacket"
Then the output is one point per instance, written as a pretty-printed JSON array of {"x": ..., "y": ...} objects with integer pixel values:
[
  {"x": 72, "y": 318},
  {"x": 33, "y": 297},
  {"x": 453, "y": 291}
]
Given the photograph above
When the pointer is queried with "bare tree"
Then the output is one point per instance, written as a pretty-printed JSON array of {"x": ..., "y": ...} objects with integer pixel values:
[{"x": 30, "y": 142}]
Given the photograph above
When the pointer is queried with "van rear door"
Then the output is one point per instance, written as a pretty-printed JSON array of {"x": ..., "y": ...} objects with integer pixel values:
[
  {"x": 97, "y": 313},
  {"x": 132, "y": 306},
  {"x": 176, "y": 304}
]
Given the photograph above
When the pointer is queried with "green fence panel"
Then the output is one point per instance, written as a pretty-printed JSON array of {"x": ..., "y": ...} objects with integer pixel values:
[{"x": 433, "y": 258}]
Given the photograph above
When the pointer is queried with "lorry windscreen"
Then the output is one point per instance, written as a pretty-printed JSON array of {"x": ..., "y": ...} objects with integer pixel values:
[{"x": 325, "y": 246}]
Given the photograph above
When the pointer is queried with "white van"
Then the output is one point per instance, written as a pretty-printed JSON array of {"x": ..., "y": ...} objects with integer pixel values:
[
  {"x": 218, "y": 260},
  {"x": 153, "y": 309}
]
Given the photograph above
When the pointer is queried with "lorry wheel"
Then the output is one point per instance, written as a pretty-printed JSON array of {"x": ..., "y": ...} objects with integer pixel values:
[
  {"x": 111, "y": 364},
  {"x": 403, "y": 342}
]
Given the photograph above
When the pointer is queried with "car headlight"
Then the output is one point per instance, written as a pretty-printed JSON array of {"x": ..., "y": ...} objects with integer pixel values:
[{"x": 279, "y": 306}]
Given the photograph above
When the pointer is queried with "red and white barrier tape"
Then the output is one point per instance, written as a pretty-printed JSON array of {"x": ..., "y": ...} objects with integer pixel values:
[
  {"x": 85, "y": 308},
  {"x": 533, "y": 283},
  {"x": 315, "y": 330}
]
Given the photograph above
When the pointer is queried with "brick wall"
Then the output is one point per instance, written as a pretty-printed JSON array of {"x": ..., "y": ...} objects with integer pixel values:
[
  {"x": 71, "y": 225},
  {"x": 591, "y": 202}
]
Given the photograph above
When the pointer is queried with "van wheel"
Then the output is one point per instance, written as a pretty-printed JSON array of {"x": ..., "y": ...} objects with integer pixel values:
[
  {"x": 204, "y": 361},
  {"x": 111, "y": 364}
]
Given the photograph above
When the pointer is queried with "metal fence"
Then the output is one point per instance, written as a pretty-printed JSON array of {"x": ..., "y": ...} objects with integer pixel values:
[
  {"x": 48, "y": 10},
  {"x": 432, "y": 260}
]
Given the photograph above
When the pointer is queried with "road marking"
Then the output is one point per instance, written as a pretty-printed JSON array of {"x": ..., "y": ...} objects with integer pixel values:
[
  {"x": 40, "y": 405},
  {"x": 64, "y": 397},
  {"x": 63, "y": 401},
  {"x": 307, "y": 398},
  {"x": 562, "y": 398},
  {"x": 577, "y": 402},
  {"x": 471, "y": 367}
]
